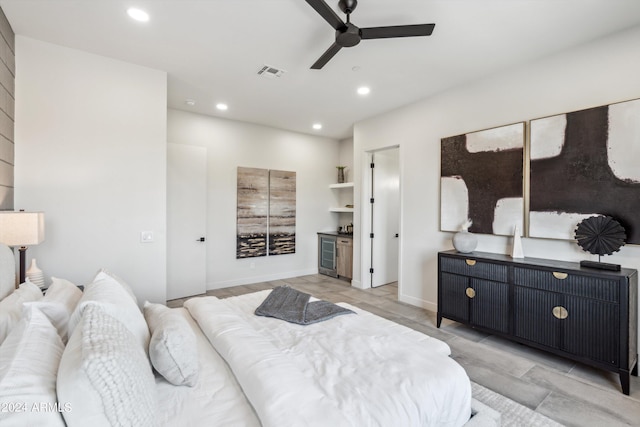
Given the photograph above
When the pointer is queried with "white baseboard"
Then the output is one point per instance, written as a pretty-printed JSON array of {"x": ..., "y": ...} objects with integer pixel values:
[
  {"x": 427, "y": 305},
  {"x": 357, "y": 284}
]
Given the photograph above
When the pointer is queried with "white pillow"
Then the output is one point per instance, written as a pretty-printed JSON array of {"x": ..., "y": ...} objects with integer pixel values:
[
  {"x": 29, "y": 359},
  {"x": 63, "y": 291},
  {"x": 11, "y": 307},
  {"x": 172, "y": 349},
  {"x": 104, "y": 274},
  {"x": 104, "y": 376},
  {"x": 118, "y": 302},
  {"x": 59, "y": 303}
]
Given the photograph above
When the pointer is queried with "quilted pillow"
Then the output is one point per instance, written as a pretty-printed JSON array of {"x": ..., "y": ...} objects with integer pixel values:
[
  {"x": 118, "y": 302},
  {"x": 11, "y": 306},
  {"x": 172, "y": 349},
  {"x": 59, "y": 303},
  {"x": 29, "y": 359},
  {"x": 104, "y": 375}
]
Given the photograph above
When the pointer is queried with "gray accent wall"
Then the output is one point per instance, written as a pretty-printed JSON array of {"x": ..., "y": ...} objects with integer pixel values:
[{"x": 7, "y": 107}]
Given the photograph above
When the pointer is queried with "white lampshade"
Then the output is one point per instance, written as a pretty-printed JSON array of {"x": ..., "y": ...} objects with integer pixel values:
[{"x": 21, "y": 228}]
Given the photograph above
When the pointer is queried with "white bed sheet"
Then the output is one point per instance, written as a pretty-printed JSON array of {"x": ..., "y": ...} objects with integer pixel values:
[
  {"x": 357, "y": 369},
  {"x": 215, "y": 400}
]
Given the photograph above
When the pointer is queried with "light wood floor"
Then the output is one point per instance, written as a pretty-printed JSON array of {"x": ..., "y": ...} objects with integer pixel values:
[{"x": 569, "y": 393}]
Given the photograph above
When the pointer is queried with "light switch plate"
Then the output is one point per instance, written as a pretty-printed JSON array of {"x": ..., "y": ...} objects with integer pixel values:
[{"x": 146, "y": 236}]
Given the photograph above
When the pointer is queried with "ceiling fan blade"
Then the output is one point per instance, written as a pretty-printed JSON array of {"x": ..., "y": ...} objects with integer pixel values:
[
  {"x": 397, "y": 31},
  {"x": 326, "y": 56},
  {"x": 327, "y": 13}
]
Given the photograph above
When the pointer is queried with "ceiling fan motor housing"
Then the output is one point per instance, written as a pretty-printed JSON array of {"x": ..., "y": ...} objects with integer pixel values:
[{"x": 348, "y": 36}]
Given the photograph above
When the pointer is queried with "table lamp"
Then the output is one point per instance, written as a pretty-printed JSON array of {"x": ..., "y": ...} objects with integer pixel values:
[{"x": 21, "y": 229}]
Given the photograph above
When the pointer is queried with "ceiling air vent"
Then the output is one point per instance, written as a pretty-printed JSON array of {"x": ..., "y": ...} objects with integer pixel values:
[{"x": 270, "y": 72}]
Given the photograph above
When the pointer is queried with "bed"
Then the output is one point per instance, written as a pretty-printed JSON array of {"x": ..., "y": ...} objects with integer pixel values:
[
  {"x": 95, "y": 358},
  {"x": 355, "y": 369}
]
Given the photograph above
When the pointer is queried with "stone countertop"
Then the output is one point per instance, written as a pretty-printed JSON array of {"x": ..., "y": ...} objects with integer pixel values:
[{"x": 335, "y": 233}]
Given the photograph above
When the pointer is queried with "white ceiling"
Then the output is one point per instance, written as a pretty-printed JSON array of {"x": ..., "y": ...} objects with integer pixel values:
[{"x": 213, "y": 49}]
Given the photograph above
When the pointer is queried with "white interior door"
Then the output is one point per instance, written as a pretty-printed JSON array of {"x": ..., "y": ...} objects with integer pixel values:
[
  {"x": 385, "y": 216},
  {"x": 186, "y": 220}
]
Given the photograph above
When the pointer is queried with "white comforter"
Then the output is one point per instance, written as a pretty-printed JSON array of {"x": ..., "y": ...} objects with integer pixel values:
[
  {"x": 352, "y": 370},
  {"x": 215, "y": 400}
]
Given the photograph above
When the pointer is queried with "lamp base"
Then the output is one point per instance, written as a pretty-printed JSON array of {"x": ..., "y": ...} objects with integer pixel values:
[{"x": 23, "y": 269}]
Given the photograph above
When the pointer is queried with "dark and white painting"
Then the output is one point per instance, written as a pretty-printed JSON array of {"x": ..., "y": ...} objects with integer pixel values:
[
  {"x": 585, "y": 163},
  {"x": 266, "y": 213},
  {"x": 481, "y": 179},
  {"x": 282, "y": 212},
  {"x": 252, "y": 212}
]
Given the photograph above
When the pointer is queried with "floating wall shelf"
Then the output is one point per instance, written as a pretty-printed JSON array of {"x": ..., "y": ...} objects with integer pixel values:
[
  {"x": 342, "y": 185},
  {"x": 338, "y": 187}
]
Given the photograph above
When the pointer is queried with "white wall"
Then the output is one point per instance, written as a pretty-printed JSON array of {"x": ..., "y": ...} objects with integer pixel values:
[
  {"x": 600, "y": 73},
  {"x": 346, "y": 158},
  {"x": 231, "y": 144},
  {"x": 344, "y": 196},
  {"x": 91, "y": 153}
]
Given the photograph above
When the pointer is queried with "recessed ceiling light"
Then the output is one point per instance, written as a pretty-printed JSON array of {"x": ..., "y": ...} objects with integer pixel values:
[
  {"x": 363, "y": 90},
  {"x": 138, "y": 14},
  {"x": 222, "y": 107},
  {"x": 317, "y": 126},
  {"x": 190, "y": 102}
]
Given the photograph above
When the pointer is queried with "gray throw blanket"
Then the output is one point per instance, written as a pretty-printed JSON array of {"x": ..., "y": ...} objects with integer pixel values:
[{"x": 293, "y": 306}]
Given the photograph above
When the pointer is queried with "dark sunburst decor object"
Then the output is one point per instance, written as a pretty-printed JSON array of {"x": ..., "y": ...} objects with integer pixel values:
[{"x": 600, "y": 235}]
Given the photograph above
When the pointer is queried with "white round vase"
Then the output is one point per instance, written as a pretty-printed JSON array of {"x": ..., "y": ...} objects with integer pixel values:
[
  {"x": 35, "y": 275},
  {"x": 464, "y": 241}
]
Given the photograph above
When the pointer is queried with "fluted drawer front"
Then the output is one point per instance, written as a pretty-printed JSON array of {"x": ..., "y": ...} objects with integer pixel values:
[
  {"x": 474, "y": 268},
  {"x": 567, "y": 282}
]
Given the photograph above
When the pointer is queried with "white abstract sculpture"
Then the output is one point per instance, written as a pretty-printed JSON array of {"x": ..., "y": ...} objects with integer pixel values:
[{"x": 516, "y": 250}]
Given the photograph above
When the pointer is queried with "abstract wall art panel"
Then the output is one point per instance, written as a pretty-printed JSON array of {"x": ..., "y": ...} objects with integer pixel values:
[
  {"x": 481, "y": 178},
  {"x": 282, "y": 212},
  {"x": 585, "y": 163},
  {"x": 252, "y": 211}
]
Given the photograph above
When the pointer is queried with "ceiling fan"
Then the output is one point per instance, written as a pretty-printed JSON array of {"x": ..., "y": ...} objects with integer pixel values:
[{"x": 348, "y": 35}]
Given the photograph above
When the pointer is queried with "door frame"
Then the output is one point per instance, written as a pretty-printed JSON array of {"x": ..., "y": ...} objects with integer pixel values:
[{"x": 365, "y": 217}]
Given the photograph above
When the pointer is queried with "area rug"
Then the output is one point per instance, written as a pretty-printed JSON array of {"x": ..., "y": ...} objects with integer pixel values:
[{"x": 513, "y": 414}]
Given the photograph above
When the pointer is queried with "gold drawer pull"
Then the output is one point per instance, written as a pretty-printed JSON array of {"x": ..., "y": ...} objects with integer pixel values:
[
  {"x": 560, "y": 312},
  {"x": 471, "y": 262},
  {"x": 471, "y": 293},
  {"x": 560, "y": 276}
]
